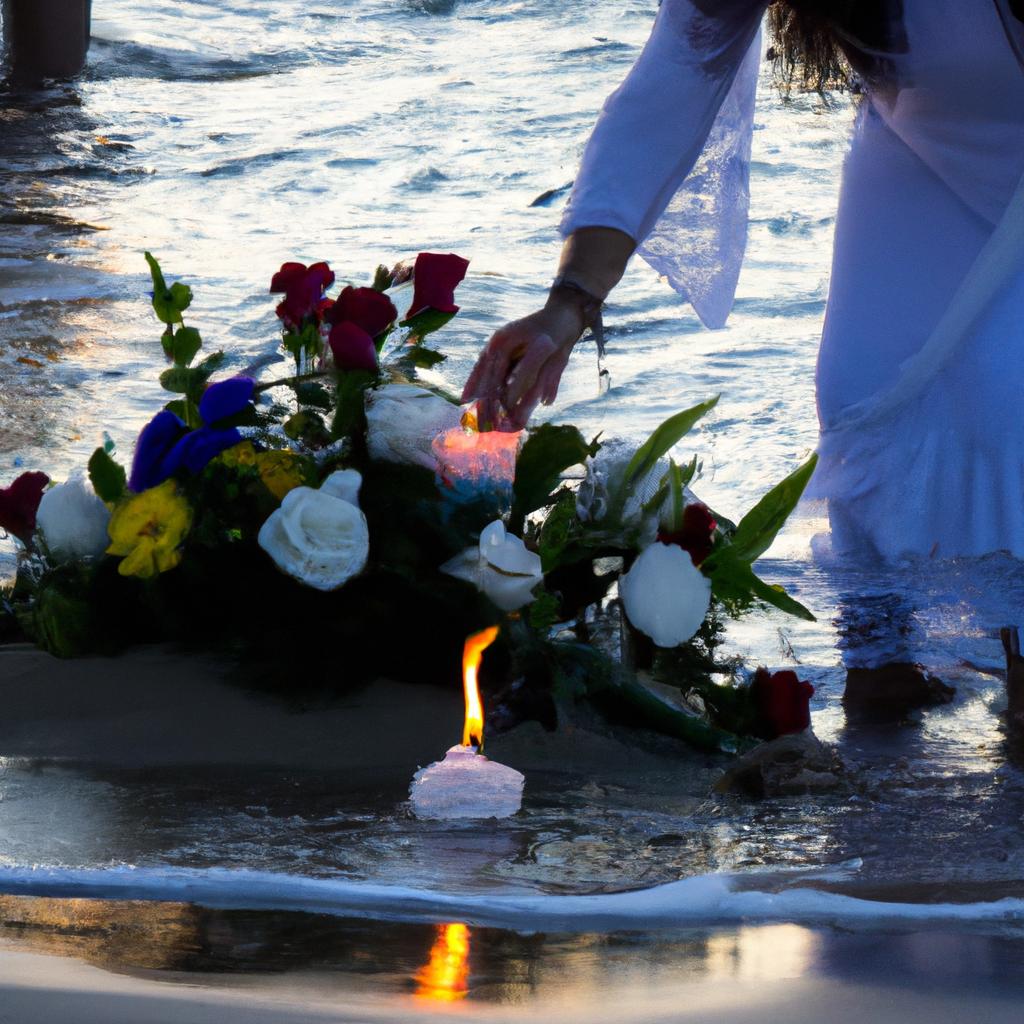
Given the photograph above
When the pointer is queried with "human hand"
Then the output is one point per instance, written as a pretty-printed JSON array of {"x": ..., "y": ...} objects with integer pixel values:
[{"x": 522, "y": 365}]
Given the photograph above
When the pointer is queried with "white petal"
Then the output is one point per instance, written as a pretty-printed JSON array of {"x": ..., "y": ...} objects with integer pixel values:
[
  {"x": 508, "y": 592},
  {"x": 344, "y": 484},
  {"x": 73, "y": 519},
  {"x": 465, "y": 566},
  {"x": 665, "y": 595}
]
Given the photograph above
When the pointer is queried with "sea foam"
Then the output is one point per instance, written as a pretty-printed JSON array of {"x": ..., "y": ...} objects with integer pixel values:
[{"x": 705, "y": 899}]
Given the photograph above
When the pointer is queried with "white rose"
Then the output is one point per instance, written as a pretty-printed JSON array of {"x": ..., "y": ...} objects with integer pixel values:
[
  {"x": 402, "y": 421},
  {"x": 317, "y": 537},
  {"x": 665, "y": 595},
  {"x": 501, "y": 566},
  {"x": 74, "y": 520}
]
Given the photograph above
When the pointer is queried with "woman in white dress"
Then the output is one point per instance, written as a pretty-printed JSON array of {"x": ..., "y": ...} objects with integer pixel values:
[{"x": 921, "y": 366}]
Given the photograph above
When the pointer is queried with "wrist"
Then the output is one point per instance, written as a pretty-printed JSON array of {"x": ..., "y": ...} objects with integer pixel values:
[{"x": 568, "y": 291}]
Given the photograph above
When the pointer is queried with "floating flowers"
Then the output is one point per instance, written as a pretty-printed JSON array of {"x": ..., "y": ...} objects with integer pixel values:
[{"x": 147, "y": 529}]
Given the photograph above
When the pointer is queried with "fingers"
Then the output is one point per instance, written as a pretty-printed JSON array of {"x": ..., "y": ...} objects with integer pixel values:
[
  {"x": 523, "y": 375},
  {"x": 493, "y": 366},
  {"x": 551, "y": 375}
]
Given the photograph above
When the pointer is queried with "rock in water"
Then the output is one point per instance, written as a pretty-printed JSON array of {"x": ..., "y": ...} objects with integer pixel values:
[
  {"x": 794, "y": 765},
  {"x": 466, "y": 785}
]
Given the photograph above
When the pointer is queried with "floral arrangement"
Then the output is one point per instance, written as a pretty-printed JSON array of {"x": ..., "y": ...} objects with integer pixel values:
[{"x": 350, "y": 521}]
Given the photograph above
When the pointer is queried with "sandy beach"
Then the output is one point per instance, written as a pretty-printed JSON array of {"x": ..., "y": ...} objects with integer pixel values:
[{"x": 45, "y": 989}]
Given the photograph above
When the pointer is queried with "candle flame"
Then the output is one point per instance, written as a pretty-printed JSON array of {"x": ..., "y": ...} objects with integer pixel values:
[
  {"x": 445, "y": 977},
  {"x": 472, "y": 655}
]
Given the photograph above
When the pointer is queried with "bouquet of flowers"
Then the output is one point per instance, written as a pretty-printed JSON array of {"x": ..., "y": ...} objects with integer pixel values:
[{"x": 350, "y": 521}]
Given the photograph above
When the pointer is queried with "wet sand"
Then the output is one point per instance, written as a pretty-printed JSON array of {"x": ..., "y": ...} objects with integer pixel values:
[{"x": 901, "y": 979}]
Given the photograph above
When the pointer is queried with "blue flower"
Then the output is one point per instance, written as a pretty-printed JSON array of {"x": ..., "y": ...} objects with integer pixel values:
[
  {"x": 155, "y": 443},
  {"x": 166, "y": 445},
  {"x": 197, "y": 448},
  {"x": 226, "y": 398}
]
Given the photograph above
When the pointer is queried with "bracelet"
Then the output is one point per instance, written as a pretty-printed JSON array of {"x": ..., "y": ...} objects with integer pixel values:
[{"x": 589, "y": 306}]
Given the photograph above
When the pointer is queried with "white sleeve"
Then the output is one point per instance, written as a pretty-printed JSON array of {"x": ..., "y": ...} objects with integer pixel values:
[{"x": 695, "y": 78}]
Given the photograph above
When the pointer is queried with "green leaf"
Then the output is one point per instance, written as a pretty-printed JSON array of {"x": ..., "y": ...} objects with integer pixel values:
[
  {"x": 177, "y": 379},
  {"x": 168, "y": 303},
  {"x": 425, "y": 322},
  {"x": 108, "y": 477},
  {"x": 661, "y": 441},
  {"x": 212, "y": 363},
  {"x": 381, "y": 278},
  {"x": 415, "y": 357},
  {"x": 547, "y": 453},
  {"x": 181, "y": 296},
  {"x": 543, "y": 612},
  {"x": 350, "y": 410},
  {"x": 558, "y": 531},
  {"x": 185, "y": 345},
  {"x": 735, "y": 583},
  {"x": 759, "y": 527},
  {"x": 773, "y": 594},
  {"x": 191, "y": 380},
  {"x": 675, "y": 489},
  {"x": 312, "y": 393}
]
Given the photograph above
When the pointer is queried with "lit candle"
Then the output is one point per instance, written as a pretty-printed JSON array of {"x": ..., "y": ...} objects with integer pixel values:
[
  {"x": 472, "y": 461},
  {"x": 466, "y": 784}
]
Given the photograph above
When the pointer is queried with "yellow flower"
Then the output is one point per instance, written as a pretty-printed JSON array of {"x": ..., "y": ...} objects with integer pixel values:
[
  {"x": 241, "y": 454},
  {"x": 280, "y": 471},
  {"x": 148, "y": 528}
]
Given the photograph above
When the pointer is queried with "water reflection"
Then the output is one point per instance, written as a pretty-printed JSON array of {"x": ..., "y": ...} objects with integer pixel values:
[
  {"x": 193, "y": 945},
  {"x": 445, "y": 977}
]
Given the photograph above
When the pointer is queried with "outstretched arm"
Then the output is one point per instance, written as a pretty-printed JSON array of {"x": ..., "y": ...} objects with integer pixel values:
[
  {"x": 524, "y": 361},
  {"x": 649, "y": 135}
]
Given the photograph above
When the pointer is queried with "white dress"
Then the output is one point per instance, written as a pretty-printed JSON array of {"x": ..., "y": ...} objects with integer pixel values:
[{"x": 921, "y": 368}]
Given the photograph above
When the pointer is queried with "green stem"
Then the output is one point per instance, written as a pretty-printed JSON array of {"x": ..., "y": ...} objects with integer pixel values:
[{"x": 300, "y": 378}]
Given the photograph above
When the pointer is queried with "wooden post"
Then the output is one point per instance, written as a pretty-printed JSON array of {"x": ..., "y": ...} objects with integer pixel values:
[{"x": 45, "y": 38}]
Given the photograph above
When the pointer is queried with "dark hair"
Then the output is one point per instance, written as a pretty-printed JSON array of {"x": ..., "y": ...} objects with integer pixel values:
[{"x": 805, "y": 49}]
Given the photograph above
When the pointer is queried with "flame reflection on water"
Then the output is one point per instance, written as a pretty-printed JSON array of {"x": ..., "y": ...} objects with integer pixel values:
[{"x": 445, "y": 976}]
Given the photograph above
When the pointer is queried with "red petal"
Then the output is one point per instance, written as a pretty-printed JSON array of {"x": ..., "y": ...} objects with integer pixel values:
[
  {"x": 286, "y": 276},
  {"x": 434, "y": 279},
  {"x": 352, "y": 347},
  {"x": 369, "y": 309},
  {"x": 19, "y": 504}
]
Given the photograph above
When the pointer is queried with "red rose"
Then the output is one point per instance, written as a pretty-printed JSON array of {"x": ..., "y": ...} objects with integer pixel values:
[
  {"x": 434, "y": 279},
  {"x": 782, "y": 701},
  {"x": 696, "y": 536},
  {"x": 353, "y": 347},
  {"x": 365, "y": 307},
  {"x": 303, "y": 289},
  {"x": 19, "y": 504}
]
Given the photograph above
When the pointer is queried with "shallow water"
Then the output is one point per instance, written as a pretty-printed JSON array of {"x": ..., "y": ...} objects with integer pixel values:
[{"x": 230, "y": 137}]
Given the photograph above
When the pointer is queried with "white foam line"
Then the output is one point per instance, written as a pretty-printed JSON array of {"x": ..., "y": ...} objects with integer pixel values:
[{"x": 711, "y": 899}]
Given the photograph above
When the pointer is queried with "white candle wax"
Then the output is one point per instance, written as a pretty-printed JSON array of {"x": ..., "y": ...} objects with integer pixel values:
[{"x": 466, "y": 785}]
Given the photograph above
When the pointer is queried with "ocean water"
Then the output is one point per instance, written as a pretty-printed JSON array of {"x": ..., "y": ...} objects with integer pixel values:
[{"x": 228, "y": 138}]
